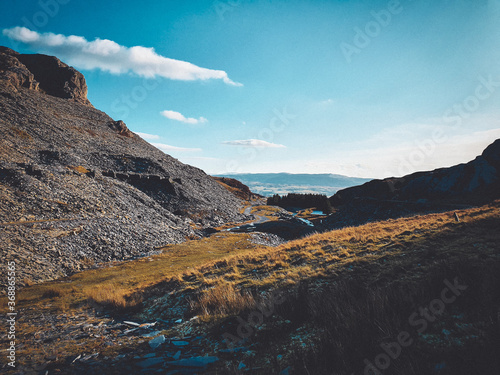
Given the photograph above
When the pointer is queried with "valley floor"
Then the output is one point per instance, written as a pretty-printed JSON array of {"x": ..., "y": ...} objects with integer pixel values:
[{"x": 416, "y": 295}]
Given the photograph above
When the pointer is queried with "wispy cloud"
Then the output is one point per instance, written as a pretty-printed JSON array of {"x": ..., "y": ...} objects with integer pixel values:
[
  {"x": 326, "y": 102},
  {"x": 109, "y": 56},
  {"x": 172, "y": 115},
  {"x": 254, "y": 143},
  {"x": 168, "y": 148},
  {"x": 147, "y": 136}
]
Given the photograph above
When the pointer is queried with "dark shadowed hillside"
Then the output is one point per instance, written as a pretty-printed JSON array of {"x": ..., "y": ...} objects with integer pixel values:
[
  {"x": 77, "y": 187},
  {"x": 470, "y": 184}
]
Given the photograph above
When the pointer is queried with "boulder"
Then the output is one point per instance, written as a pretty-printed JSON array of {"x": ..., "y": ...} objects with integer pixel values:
[{"x": 120, "y": 127}]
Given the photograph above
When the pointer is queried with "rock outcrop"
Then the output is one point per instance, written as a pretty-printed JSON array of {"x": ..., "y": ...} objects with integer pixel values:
[
  {"x": 43, "y": 73},
  {"x": 78, "y": 188},
  {"x": 13, "y": 72},
  {"x": 237, "y": 188}
]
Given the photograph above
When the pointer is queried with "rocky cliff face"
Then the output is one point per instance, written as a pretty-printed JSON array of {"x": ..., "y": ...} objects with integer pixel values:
[
  {"x": 473, "y": 183},
  {"x": 13, "y": 73},
  {"x": 79, "y": 188},
  {"x": 43, "y": 73}
]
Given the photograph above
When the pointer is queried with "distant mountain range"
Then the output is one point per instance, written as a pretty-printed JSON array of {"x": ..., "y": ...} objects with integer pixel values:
[{"x": 268, "y": 184}]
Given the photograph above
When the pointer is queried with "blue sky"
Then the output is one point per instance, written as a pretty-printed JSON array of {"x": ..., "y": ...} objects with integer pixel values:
[{"x": 361, "y": 88}]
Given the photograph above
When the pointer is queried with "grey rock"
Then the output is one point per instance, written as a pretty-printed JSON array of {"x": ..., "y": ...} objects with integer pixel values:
[
  {"x": 157, "y": 341},
  {"x": 151, "y": 362},
  {"x": 152, "y": 334},
  {"x": 177, "y": 355},
  {"x": 194, "y": 362},
  {"x": 180, "y": 343}
]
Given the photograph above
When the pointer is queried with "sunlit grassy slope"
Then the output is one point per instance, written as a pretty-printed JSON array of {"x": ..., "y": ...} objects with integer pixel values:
[
  {"x": 349, "y": 291},
  {"x": 346, "y": 292},
  {"x": 232, "y": 260},
  {"x": 385, "y": 250},
  {"x": 114, "y": 284}
]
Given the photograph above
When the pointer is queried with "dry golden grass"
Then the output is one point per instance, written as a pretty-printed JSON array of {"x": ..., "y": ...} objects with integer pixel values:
[
  {"x": 234, "y": 190},
  {"x": 267, "y": 211},
  {"x": 55, "y": 291},
  {"x": 354, "y": 288},
  {"x": 368, "y": 278},
  {"x": 113, "y": 296},
  {"x": 115, "y": 283},
  {"x": 326, "y": 254},
  {"x": 223, "y": 299},
  {"x": 228, "y": 262}
]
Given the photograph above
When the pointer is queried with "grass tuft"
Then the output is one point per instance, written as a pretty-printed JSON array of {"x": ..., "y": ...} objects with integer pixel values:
[
  {"x": 111, "y": 296},
  {"x": 223, "y": 299}
]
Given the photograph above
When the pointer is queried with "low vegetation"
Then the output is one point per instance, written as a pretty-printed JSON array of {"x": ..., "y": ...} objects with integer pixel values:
[
  {"x": 352, "y": 290},
  {"x": 347, "y": 293},
  {"x": 119, "y": 284},
  {"x": 427, "y": 238}
]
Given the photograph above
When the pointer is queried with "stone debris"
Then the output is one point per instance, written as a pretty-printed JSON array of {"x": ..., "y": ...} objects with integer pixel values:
[
  {"x": 180, "y": 343},
  {"x": 194, "y": 362},
  {"x": 151, "y": 362},
  {"x": 79, "y": 188},
  {"x": 131, "y": 323},
  {"x": 152, "y": 334},
  {"x": 157, "y": 341},
  {"x": 177, "y": 355}
]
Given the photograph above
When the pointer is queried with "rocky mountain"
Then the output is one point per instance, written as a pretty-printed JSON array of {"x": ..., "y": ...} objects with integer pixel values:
[
  {"x": 469, "y": 184},
  {"x": 77, "y": 187}
]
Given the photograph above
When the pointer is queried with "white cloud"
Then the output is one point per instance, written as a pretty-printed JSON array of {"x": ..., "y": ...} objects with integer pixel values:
[
  {"x": 172, "y": 115},
  {"x": 23, "y": 34},
  {"x": 168, "y": 148},
  {"x": 111, "y": 57},
  {"x": 254, "y": 143},
  {"x": 147, "y": 136}
]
